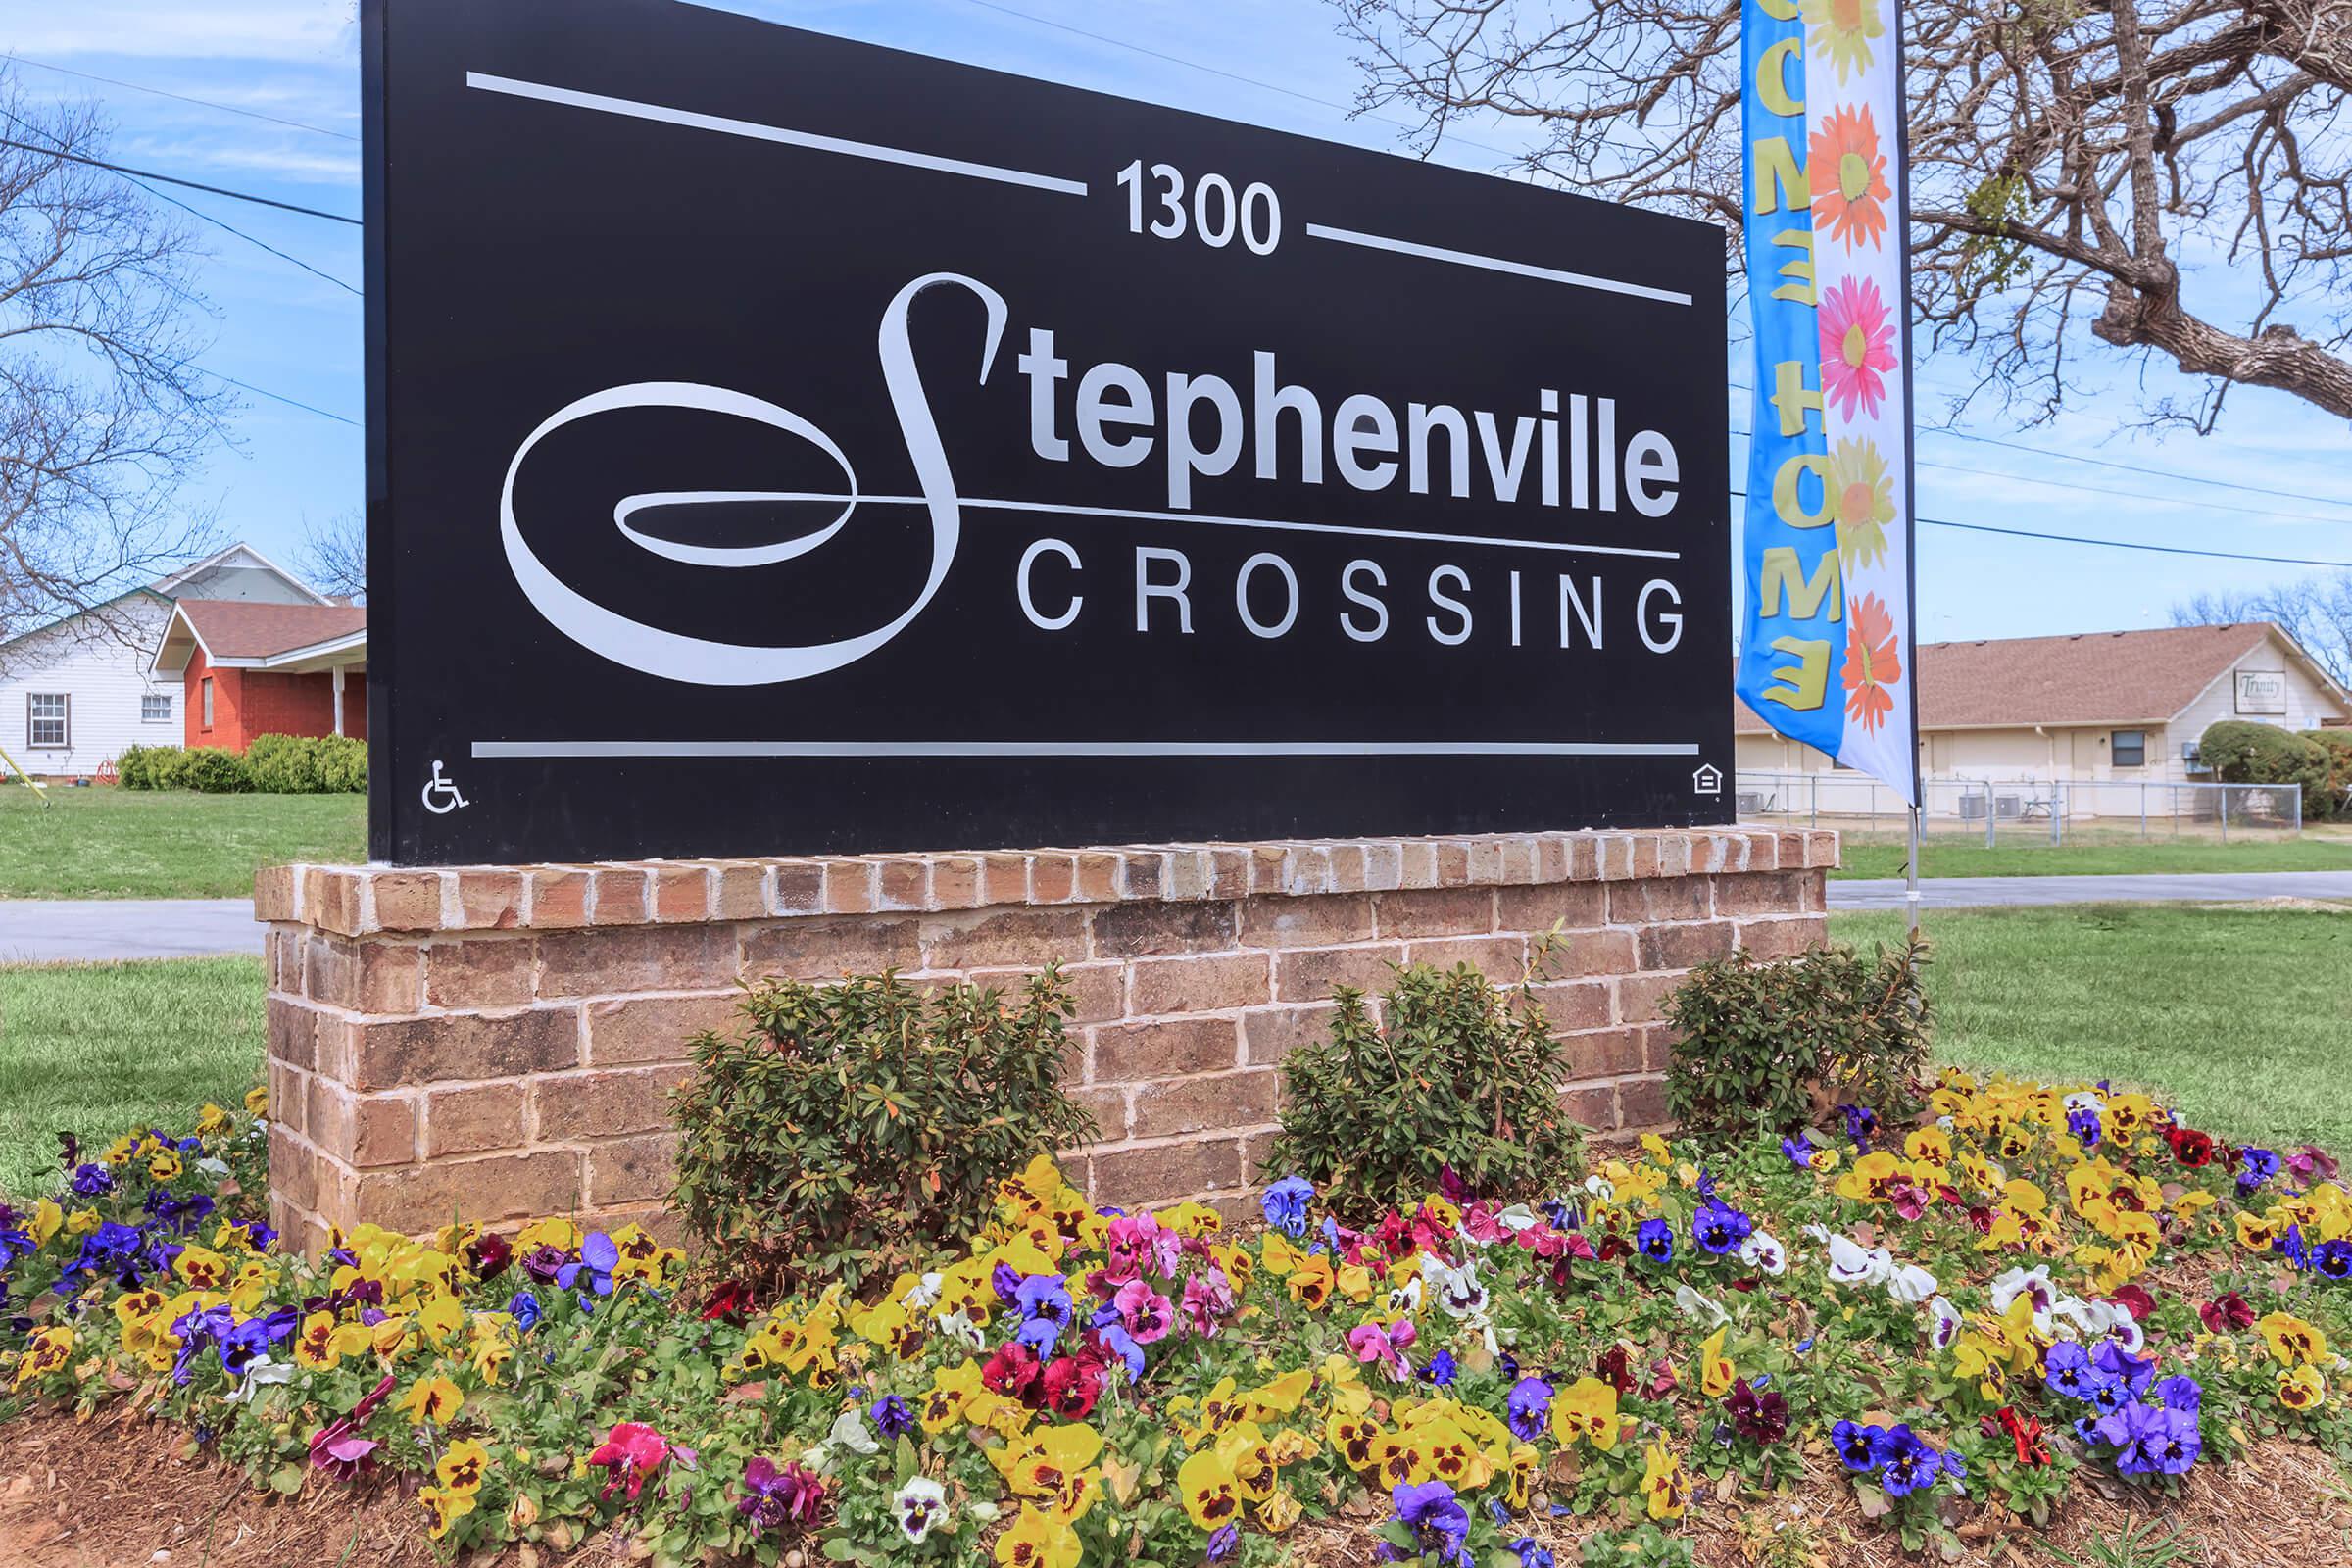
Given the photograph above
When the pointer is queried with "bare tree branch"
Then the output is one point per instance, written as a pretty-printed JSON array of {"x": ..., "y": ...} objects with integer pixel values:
[
  {"x": 2138, "y": 150},
  {"x": 102, "y": 417},
  {"x": 334, "y": 556}
]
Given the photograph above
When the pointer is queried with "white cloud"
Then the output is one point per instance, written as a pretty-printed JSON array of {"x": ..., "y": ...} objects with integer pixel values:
[{"x": 253, "y": 29}]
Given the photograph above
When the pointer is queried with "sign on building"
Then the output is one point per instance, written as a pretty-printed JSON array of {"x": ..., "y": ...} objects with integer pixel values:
[
  {"x": 2262, "y": 692},
  {"x": 778, "y": 444}
]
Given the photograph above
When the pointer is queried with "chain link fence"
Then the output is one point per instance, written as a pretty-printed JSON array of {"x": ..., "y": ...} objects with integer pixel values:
[{"x": 2027, "y": 811}]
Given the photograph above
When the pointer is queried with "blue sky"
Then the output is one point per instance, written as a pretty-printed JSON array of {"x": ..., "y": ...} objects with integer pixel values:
[{"x": 291, "y": 333}]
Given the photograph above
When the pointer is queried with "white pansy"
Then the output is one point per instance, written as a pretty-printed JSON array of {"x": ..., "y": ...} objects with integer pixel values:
[
  {"x": 1602, "y": 1188},
  {"x": 1456, "y": 1292},
  {"x": 1910, "y": 1284},
  {"x": 1405, "y": 1300},
  {"x": 1852, "y": 1263},
  {"x": 1693, "y": 1305},
  {"x": 2034, "y": 1283},
  {"x": 960, "y": 1328},
  {"x": 1945, "y": 1318},
  {"x": 925, "y": 1293},
  {"x": 1517, "y": 1217},
  {"x": 259, "y": 1373},
  {"x": 918, "y": 1505},
  {"x": 211, "y": 1165},
  {"x": 1764, "y": 1252},
  {"x": 850, "y": 1432}
]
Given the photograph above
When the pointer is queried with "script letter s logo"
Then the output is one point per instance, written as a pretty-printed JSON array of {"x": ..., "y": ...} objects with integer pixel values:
[{"x": 702, "y": 661}]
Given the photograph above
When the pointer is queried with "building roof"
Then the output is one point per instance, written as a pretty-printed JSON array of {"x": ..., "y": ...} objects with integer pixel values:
[
  {"x": 2110, "y": 677},
  {"x": 240, "y": 632},
  {"x": 170, "y": 586}
]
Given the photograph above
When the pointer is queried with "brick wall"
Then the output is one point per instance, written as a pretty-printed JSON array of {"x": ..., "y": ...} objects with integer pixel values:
[
  {"x": 500, "y": 1040},
  {"x": 247, "y": 702}
]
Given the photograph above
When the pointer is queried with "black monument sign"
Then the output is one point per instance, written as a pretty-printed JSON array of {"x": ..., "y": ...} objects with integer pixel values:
[{"x": 778, "y": 444}]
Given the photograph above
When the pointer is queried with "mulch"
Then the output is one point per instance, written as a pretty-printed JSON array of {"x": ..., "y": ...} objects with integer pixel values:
[{"x": 106, "y": 1494}]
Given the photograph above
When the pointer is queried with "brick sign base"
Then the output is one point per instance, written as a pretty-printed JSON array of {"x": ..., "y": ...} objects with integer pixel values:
[{"x": 498, "y": 1042}]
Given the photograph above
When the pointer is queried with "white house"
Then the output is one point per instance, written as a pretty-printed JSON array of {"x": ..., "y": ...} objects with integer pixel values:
[
  {"x": 2106, "y": 709},
  {"x": 77, "y": 691}
]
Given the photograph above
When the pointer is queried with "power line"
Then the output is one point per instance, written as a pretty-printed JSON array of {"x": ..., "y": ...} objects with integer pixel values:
[
  {"x": 2126, "y": 544},
  {"x": 194, "y": 212},
  {"x": 204, "y": 103},
  {"x": 2114, "y": 544},
  {"x": 171, "y": 179},
  {"x": 2134, "y": 468},
  {"x": 275, "y": 397},
  {"x": 2128, "y": 495},
  {"x": 1229, "y": 76}
]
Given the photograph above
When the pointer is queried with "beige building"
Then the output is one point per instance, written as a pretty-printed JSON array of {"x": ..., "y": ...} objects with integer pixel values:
[{"x": 2109, "y": 708}]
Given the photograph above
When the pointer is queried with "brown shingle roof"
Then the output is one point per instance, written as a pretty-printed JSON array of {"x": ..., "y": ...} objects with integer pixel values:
[
  {"x": 2088, "y": 679},
  {"x": 236, "y": 630}
]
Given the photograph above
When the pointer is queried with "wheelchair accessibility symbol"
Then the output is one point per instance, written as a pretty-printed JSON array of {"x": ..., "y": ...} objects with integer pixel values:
[{"x": 441, "y": 796}]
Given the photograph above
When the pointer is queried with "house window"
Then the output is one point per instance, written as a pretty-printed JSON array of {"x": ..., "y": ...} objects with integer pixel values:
[
  {"x": 2129, "y": 748},
  {"x": 155, "y": 707},
  {"x": 46, "y": 719},
  {"x": 208, "y": 702}
]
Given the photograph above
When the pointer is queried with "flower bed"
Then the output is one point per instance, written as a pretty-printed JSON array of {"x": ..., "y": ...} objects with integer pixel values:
[{"x": 2036, "y": 1292}]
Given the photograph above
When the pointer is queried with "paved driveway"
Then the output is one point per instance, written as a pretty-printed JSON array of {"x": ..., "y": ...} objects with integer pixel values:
[
  {"x": 1964, "y": 892},
  {"x": 53, "y": 930}
]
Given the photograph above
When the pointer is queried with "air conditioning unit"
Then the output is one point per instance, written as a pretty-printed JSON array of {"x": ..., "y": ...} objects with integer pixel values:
[
  {"x": 2008, "y": 808},
  {"x": 1972, "y": 808}
]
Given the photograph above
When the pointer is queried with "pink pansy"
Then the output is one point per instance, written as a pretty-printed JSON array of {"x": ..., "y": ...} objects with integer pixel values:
[
  {"x": 632, "y": 1452},
  {"x": 1207, "y": 1301},
  {"x": 1373, "y": 1344},
  {"x": 1145, "y": 1240},
  {"x": 1144, "y": 1312},
  {"x": 1857, "y": 346},
  {"x": 337, "y": 1448}
]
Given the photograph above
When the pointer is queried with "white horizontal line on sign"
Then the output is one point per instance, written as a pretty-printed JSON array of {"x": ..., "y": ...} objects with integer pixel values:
[
  {"x": 631, "y": 505},
  {"x": 757, "y": 131},
  {"x": 584, "y": 748},
  {"x": 1495, "y": 264}
]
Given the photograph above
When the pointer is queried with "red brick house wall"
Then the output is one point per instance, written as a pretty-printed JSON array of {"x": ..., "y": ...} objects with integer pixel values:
[{"x": 247, "y": 702}]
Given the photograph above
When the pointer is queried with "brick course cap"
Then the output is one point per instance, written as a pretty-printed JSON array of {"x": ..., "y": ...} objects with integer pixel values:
[{"x": 362, "y": 900}]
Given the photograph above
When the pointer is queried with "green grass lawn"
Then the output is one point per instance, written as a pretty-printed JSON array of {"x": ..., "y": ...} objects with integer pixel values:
[
  {"x": 1967, "y": 857},
  {"x": 96, "y": 1049},
  {"x": 110, "y": 843},
  {"x": 2240, "y": 1017}
]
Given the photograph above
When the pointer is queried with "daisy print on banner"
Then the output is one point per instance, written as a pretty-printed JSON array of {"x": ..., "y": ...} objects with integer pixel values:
[
  {"x": 1872, "y": 663},
  {"x": 1843, "y": 31},
  {"x": 1861, "y": 500},
  {"x": 1847, "y": 176},
  {"x": 1857, "y": 346}
]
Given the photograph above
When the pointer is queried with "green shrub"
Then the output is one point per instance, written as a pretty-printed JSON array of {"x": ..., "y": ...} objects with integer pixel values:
[
  {"x": 2337, "y": 805},
  {"x": 1456, "y": 1074},
  {"x": 854, "y": 1130},
  {"x": 147, "y": 767},
  {"x": 1768, "y": 1047},
  {"x": 211, "y": 770},
  {"x": 307, "y": 765},
  {"x": 2243, "y": 753}
]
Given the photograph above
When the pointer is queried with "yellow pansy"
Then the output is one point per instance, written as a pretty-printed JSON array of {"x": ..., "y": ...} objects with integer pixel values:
[
  {"x": 2303, "y": 1389},
  {"x": 433, "y": 1399},
  {"x": 2290, "y": 1338},
  {"x": 1587, "y": 1408},
  {"x": 1715, "y": 1373},
  {"x": 1662, "y": 1485},
  {"x": 1210, "y": 1491},
  {"x": 447, "y": 1507}
]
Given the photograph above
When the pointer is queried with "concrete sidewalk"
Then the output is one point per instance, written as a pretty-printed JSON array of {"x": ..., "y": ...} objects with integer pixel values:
[
  {"x": 1973, "y": 892},
  {"x": 60, "y": 930}
]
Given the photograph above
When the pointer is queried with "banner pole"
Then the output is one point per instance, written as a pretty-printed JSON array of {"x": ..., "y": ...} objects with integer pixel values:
[
  {"x": 1919, "y": 792},
  {"x": 1911, "y": 875}
]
